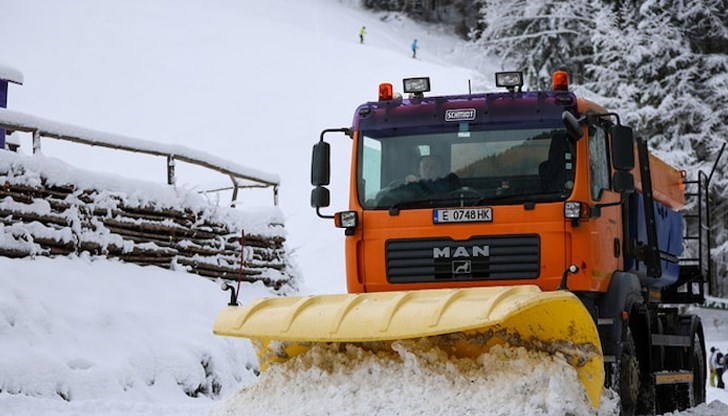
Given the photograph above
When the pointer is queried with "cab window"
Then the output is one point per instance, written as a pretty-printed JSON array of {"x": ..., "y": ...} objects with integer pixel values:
[{"x": 598, "y": 162}]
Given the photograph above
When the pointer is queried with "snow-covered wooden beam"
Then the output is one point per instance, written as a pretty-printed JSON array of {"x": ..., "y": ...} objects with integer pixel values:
[{"x": 40, "y": 128}]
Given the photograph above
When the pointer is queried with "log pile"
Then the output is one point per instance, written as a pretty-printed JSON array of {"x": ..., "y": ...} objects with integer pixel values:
[{"x": 40, "y": 218}]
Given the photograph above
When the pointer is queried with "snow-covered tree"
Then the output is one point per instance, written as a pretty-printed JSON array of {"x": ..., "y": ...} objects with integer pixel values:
[
  {"x": 662, "y": 64},
  {"x": 607, "y": 73},
  {"x": 538, "y": 36},
  {"x": 693, "y": 106}
]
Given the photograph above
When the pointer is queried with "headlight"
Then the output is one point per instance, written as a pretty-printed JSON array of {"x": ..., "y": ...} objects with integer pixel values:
[
  {"x": 572, "y": 210},
  {"x": 345, "y": 219}
]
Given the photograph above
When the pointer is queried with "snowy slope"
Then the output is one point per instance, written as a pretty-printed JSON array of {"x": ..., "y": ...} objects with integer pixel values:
[{"x": 254, "y": 82}]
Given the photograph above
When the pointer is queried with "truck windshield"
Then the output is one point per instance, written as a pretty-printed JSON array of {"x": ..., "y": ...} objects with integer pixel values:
[{"x": 464, "y": 168}]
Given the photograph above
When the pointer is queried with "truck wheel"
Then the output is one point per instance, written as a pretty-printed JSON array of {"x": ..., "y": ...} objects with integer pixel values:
[
  {"x": 691, "y": 395},
  {"x": 629, "y": 376},
  {"x": 698, "y": 362}
]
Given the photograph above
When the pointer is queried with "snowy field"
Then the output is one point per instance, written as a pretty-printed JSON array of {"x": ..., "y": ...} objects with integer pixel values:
[{"x": 254, "y": 82}]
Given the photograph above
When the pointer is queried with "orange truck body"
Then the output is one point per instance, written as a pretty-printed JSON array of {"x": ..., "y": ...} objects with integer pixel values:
[
  {"x": 613, "y": 235},
  {"x": 590, "y": 245}
]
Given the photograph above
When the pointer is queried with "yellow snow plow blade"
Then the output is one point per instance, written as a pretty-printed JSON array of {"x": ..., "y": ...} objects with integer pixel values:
[{"x": 470, "y": 321}]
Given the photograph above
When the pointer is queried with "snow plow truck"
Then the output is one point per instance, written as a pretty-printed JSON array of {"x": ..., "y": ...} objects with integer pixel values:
[{"x": 542, "y": 222}]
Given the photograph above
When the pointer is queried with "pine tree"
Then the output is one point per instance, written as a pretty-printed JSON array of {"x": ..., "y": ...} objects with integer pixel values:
[
  {"x": 608, "y": 73},
  {"x": 538, "y": 36},
  {"x": 661, "y": 64}
]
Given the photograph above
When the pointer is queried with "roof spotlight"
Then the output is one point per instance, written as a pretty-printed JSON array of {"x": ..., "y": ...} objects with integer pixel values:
[
  {"x": 510, "y": 80},
  {"x": 416, "y": 86}
]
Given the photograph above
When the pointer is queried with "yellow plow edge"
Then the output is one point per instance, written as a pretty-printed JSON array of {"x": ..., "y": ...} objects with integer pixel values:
[{"x": 520, "y": 315}]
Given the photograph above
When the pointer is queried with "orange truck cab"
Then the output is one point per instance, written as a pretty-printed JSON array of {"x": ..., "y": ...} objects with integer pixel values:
[{"x": 527, "y": 187}]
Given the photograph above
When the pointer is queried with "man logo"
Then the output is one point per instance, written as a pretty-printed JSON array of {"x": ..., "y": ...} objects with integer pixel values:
[
  {"x": 460, "y": 251},
  {"x": 461, "y": 267}
]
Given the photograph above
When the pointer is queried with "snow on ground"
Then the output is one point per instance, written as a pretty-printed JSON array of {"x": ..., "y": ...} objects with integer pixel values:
[
  {"x": 254, "y": 82},
  {"x": 120, "y": 339},
  {"x": 77, "y": 333},
  {"x": 423, "y": 380}
]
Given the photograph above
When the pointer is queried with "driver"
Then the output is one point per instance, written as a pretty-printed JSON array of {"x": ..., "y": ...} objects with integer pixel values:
[{"x": 430, "y": 168}]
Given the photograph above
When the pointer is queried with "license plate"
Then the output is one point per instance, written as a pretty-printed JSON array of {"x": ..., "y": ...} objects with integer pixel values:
[{"x": 462, "y": 215}]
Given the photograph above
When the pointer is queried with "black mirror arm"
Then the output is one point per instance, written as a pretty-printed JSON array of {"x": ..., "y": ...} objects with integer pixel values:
[
  {"x": 324, "y": 216},
  {"x": 596, "y": 210},
  {"x": 346, "y": 130}
]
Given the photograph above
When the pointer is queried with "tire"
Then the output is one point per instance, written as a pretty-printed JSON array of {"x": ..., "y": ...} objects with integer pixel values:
[
  {"x": 699, "y": 374},
  {"x": 691, "y": 395},
  {"x": 629, "y": 376}
]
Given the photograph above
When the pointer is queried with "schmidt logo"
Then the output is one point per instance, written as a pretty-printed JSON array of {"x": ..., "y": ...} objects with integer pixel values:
[{"x": 460, "y": 114}]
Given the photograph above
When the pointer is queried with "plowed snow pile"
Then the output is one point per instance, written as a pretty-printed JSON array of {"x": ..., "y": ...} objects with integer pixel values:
[{"x": 424, "y": 380}]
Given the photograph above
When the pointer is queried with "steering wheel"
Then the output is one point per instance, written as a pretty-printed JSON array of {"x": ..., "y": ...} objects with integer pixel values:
[
  {"x": 395, "y": 183},
  {"x": 466, "y": 190}
]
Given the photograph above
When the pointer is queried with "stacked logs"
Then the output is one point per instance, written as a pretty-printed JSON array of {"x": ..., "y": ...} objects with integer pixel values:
[{"x": 55, "y": 220}]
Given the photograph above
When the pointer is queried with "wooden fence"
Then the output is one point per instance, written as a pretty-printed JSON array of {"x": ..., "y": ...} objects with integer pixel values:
[{"x": 241, "y": 177}]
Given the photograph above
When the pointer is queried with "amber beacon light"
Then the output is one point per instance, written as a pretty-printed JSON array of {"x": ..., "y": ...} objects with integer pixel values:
[
  {"x": 386, "y": 91},
  {"x": 560, "y": 81}
]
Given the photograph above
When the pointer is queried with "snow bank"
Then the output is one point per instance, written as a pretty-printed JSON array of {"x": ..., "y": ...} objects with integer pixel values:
[
  {"x": 81, "y": 329},
  {"x": 418, "y": 379}
]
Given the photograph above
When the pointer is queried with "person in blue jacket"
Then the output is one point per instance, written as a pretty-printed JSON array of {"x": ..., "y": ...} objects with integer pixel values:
[{"x": 414, "y": 48}]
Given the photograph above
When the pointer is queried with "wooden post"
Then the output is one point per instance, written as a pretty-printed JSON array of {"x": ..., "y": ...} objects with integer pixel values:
[
  {"x": 170, "y": 170},
  {"x": 235, "y": 192},
  {"x": 36, "y": 141}
]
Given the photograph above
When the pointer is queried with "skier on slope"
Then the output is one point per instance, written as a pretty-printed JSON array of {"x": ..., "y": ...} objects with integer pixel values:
[{"x": 414, "y": 48}]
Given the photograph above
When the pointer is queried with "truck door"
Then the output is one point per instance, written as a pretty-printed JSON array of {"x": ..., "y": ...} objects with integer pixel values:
[{"x": 606, "y": 229}]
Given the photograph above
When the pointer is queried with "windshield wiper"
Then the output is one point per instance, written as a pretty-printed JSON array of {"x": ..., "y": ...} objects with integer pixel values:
[
  {"x": 525, "y": 198},
  {"x": 422, "y": 203}
]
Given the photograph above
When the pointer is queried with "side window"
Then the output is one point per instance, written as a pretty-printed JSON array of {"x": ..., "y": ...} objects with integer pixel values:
[
  {"x": 598, "y": 161},
  {"x": 371, "y": 167}
]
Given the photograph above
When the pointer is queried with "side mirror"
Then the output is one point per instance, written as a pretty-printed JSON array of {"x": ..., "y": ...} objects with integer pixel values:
[
  {"x": 622, "y": 148},
  {"x": 623, "y": 182},
  {"x": 320, "y": 197},
  {"x": 572, "y": 125},
  {"x": 321, "y": 164}
]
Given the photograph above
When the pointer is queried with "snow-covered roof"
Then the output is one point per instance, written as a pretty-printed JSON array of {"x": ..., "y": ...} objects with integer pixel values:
[{"x": 8, "y": 73}]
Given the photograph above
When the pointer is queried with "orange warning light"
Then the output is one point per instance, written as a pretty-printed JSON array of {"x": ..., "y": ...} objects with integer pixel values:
[
  {"x": 386, "y": 92},
  {"x": 560, "y": 81}
]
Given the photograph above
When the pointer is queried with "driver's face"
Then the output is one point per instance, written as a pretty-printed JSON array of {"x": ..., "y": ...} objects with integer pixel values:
[{"x": 429, "y": 168}]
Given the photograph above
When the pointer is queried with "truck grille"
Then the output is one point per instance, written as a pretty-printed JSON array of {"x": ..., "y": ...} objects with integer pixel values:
[{"x": 479, "y": 258}]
